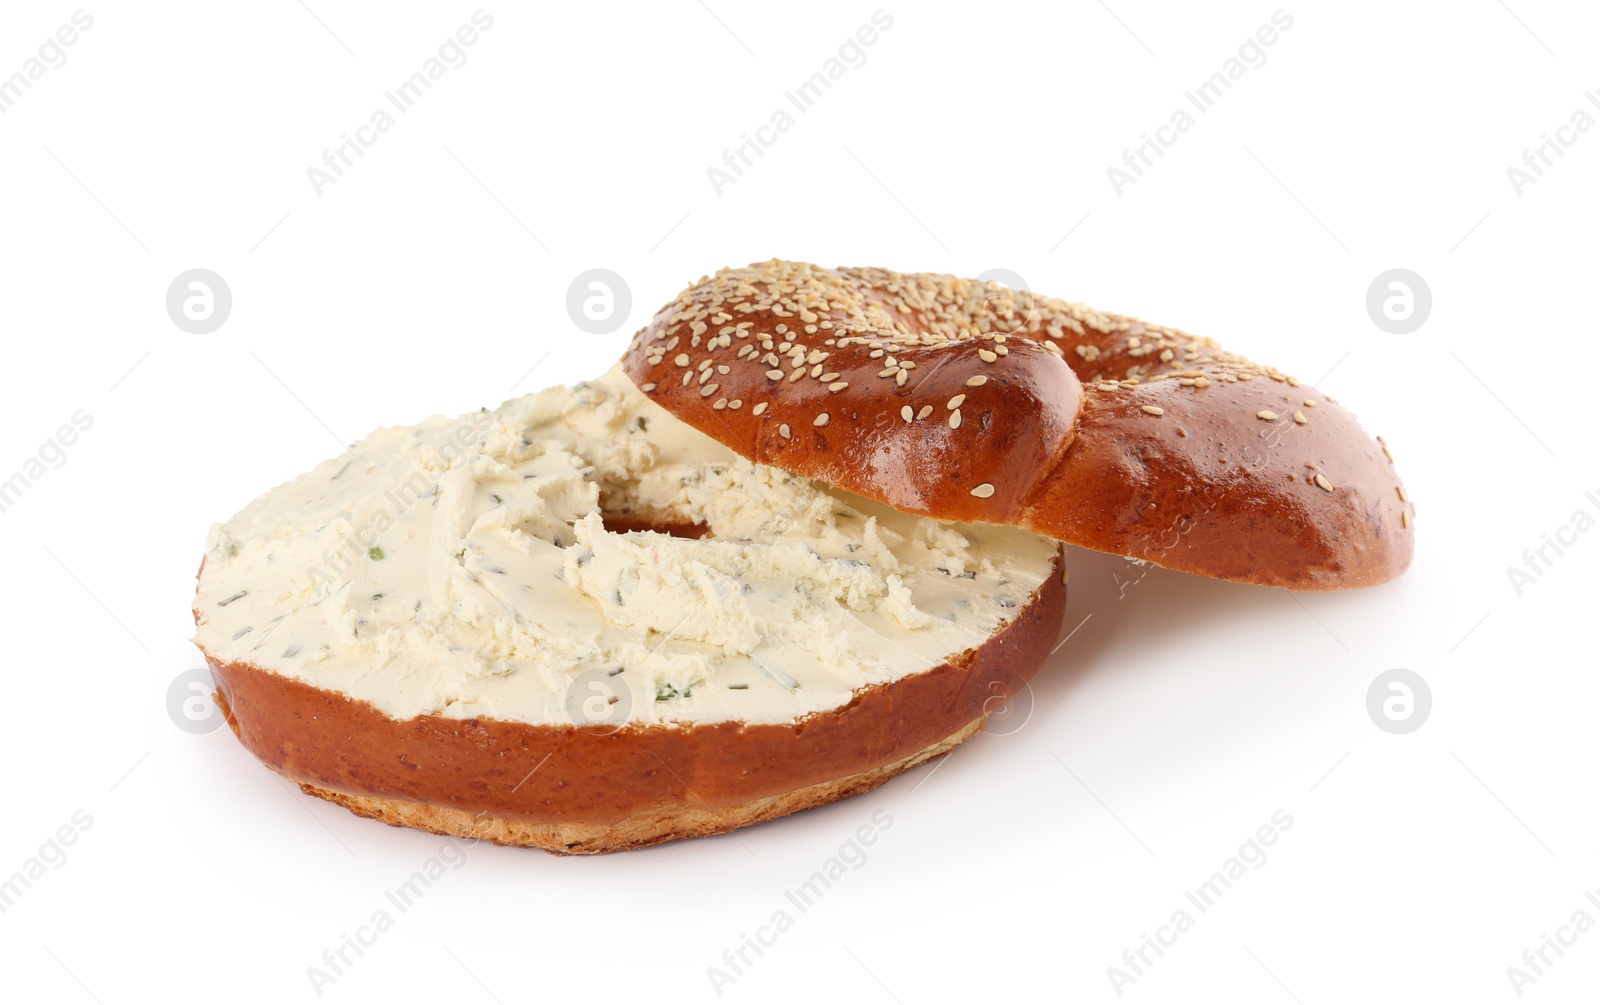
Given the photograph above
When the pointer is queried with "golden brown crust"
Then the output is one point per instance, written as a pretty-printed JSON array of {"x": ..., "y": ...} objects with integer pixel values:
[
  {"x": 580, "y": 789},
  {"x": 671, "y": 823},
  {"x": 940, "y": 396}
]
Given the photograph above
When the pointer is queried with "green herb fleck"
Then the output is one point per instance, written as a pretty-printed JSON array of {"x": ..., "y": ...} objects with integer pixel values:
[{"x": 375, "y": 553}]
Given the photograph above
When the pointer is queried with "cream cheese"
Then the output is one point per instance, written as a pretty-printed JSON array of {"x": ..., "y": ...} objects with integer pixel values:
[{"x": 463, "y": 567}]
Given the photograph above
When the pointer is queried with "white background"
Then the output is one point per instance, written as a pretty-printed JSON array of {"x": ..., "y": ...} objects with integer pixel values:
[{"x": 1182, "y": 714}]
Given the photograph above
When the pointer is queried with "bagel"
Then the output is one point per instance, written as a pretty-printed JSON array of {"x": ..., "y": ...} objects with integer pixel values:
[
  {"x": 974, "y": 403},
  {"x": 579, "y": 624}
]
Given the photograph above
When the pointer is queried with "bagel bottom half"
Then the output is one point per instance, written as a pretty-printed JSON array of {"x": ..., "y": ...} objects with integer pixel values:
[{"x": 589, "y": 628}]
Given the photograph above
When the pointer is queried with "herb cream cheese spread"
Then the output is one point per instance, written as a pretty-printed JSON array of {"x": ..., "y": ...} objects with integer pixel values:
[{"x": 464, "y": 568}]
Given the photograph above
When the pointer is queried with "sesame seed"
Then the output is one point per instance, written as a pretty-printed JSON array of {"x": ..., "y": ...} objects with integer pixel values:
[
  {"x": 1107, "y": 386},
  {"x": 889, "y": 371},
  {"x": 708, "y": 390},
  {"x": 682, "y": 359},
  {"x": 900, "y": 378},
  {"x": 821, "y": 419},
  {"x": 647, "y": 388},
  {"x": 829, "y": 378},
  {"x": 977, "y": 381},
  {"x": 1400, "y": 490},
  {"x": 1405, "y": 519},
  {"x": 955, "y": 402},
  {"x": 783, "y": 430},
  {"x": 1267, "y": 415},
  {"x": 735, "y": 403},
  {"x": 987, "y": 356},
  {"x": 816, "y": 371},
  {"x": 838, "y": 385},
  {"x": 983, "y": 491},
  {"x": 774, "y": 374},
  {"x": 925, "y": 411},
  {"x": 1201, "y": 382},
  {"x": 1152, "y": 410},
  {"x": 1310, "y": 404},
  {"x": 1323, "y": 483},
  {"x": 720, "y": 404},
  {"x": 905, "y": 413},
  {"x": 1299, "y": 417},
  {"x": 761, "y": 406},
  {"x": 796, "y": 375},
  {"x": 955, "y": 419}
]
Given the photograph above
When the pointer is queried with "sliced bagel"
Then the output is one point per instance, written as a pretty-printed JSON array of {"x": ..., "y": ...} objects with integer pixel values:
[
  {"x": 972, "y": 402},
  {"x": 466, "y": 626}
]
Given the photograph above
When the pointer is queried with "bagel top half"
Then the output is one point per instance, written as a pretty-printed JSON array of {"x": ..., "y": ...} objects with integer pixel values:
[{"x": 972, "y": 402}]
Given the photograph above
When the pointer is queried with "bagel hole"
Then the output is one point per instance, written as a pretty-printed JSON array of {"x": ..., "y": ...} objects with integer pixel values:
[{"x": 617, "y": 523}]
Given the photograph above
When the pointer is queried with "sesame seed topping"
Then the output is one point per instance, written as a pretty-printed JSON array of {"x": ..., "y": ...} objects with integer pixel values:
[
  {"x": 783, "y": 430},
  {"x": 821, "y": 419},
  {"x": 1299, "y": 417},
  {"x": 1323, "y": 483},
  {"x": 647, "y": 388},
  {"x": 838, "y": 385},
  {"x": 1152, "y": 410},
  {"x": 760, "y": 407},
  {"x": 682, "y": 359},
  {"x": 955, "y": 402},
  {"x": 736, "y": 403},
  {"x": 900, "y": 378},
  {"x": 1405, "y": 519},
  {"x": 905, "y": 413},
  {"x": 977, "y": 381},
  {"x": 708, "y": 390},
  {"x": 1400, "y": 490},
  {"x": 774, "y": 374},
  {"x": 983, "y": 491},
  {"x": 955, "y": 419},
  {"x": 924, "y": 411},
  {"x": 987, "y": 356}
]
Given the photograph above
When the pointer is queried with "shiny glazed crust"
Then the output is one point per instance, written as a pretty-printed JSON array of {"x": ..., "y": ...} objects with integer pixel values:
[
  {"x": 669, "y": 823},
  {"x": 966, "y": 402},
  {"x": 572, "y": 790}
]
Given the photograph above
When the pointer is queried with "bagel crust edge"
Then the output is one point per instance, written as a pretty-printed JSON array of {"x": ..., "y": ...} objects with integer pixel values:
[{"x": 575, "y": 790}]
